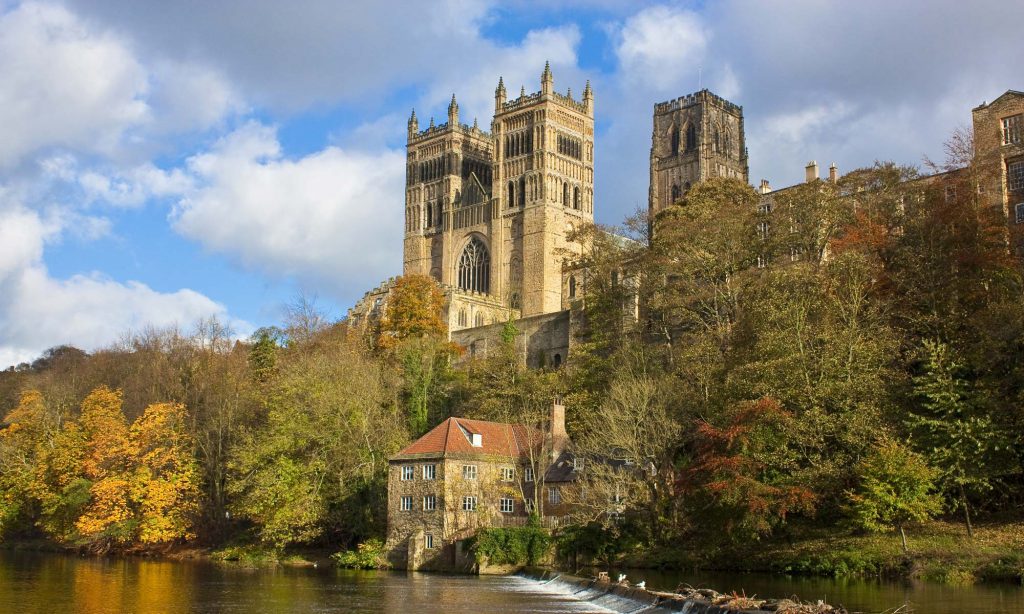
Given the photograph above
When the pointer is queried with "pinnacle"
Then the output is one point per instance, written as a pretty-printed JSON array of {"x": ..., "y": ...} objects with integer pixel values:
[{"x": 522, "y": 91}]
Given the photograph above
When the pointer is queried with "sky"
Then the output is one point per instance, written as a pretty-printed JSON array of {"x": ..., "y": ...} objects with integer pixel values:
[{"x": 165, "y": 162}]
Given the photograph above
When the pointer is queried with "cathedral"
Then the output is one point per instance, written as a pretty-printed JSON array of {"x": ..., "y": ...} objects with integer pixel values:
[{"x": 490, "y": 215}]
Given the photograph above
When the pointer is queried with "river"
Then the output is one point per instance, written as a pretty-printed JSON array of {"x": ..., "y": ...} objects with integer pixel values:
[{"x": 52, "y": 584}]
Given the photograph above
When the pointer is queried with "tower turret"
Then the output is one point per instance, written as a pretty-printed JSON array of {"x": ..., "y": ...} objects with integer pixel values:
[
  {"x": 499, "y": 95},
  {"x": 414, "y": 124},
  {"x": 547, "y": 81},
  {"x": 453, "y": 112},
  {"x": 588, "y": 99}
]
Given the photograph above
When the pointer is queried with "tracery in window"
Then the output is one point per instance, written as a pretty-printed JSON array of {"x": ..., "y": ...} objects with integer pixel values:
[{"x": 474, "y": 267}]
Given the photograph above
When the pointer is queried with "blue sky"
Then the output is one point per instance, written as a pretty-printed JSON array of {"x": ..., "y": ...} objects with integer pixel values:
[{"x": 163, "y": 162}]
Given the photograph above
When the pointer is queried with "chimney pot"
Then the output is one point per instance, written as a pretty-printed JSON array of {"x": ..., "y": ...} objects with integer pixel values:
[
  {"x": 833, "y": 173},
  {"x": 811, "y": 171}
]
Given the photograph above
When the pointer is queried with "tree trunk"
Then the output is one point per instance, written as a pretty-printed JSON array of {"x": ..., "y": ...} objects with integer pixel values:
[
  {"x": 903, "y": 535},
  {"x": 967, "y": 512}
]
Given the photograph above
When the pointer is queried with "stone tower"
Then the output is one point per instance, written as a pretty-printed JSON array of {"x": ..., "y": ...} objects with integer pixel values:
[
  {"x": 695, "y": 137},
  {"x": 488, "y": 213},
  {"x": 544, "y": 182}
]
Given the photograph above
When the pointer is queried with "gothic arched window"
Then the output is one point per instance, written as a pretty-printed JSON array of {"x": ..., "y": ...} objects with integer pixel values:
[
  {"x": 576, "y": 198},
  {"x": 478, "y": 319},
  {"x": 475, "y": 267},
  {"x": 511, "y": 194},
  {"x": 565, "y": 194},
  {"x": 572, "y": 286},
  {"x": 462, "y": 317},
  {"x": 675, "y": 192},
  {"x": 691, "y": 138},
  {"x": 522, "y": 191},
  {"x": 430, "y": 215},
  {"x": 675, "y": 141}
]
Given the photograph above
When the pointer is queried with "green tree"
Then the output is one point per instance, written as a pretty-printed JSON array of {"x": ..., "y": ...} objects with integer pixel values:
[
  {"x": 954, "y": 432},
  {"x": 896, "y": 487}
]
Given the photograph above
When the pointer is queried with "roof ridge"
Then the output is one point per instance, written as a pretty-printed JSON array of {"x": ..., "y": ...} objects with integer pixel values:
[{"x": 447, "y": 431}]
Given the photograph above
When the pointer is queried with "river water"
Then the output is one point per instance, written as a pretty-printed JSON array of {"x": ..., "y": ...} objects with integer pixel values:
[{"x": 52, "y": 584}]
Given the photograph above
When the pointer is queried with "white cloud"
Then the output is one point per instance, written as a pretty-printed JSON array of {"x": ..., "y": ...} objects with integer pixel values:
[
  {"x": 661, "y": 47},
  {"x": 63, "y": 85},
  {"x": 88, "y": 311},
  {"x": 334, "y": 217}
]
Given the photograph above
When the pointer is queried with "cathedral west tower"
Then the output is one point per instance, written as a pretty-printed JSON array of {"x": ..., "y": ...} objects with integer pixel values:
[{"x": 489, "y": 214}]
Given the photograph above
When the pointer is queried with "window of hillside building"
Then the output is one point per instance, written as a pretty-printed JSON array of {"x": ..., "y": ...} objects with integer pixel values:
[
  {"x": 577, "y": 463},
  {"x": 795, "y": 253},
  {"x": 1015, "y": 176},
  {"x": 528, "y": 474},
  {"x": 554, "y": 495},
  {"x": 1019, "y": 210},
  {"x": 407, "y": 472},
  {"x": 764, "y": 208},
  {"x": 469, "y": 472},
  {"x": 469, "y": 504},
  {"x": 475, "y": 267},
  {"x": 428, "y": 541},
  {"x": 508, "y": 474},
  {"x": 762, "y": 262},
  {"x": 429, "y": 472},
  {"x": 429, "y": 503},
  {"x": 556, "y": 361},
  {"x": 507, "y": 505},
  {"x": 405, "y": 504},
  {"x": 762, "y": 230},
  {"x": 1013, "y": 127}
]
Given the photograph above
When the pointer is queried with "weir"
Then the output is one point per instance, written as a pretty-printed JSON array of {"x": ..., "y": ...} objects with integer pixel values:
[{"x": 625, "y": 599}]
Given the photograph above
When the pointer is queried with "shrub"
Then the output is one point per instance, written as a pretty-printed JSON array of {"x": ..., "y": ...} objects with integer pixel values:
[
  {"x": 511, "y": 546},
  {"x": 368, "y": 555}
]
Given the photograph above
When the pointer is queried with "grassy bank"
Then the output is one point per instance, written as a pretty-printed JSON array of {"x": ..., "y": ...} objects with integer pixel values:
[{"x": 938, "y": 551}]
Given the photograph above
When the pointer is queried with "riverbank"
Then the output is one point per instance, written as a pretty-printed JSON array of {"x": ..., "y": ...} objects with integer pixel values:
[{"x": 938, "y": 551}]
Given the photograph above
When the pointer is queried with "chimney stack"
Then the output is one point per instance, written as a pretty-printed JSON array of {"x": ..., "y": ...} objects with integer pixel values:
[
  {"x": 833, "y": 173},
  {"x": 765, "y": 187},
  {"x": 556, "y": 429},
  {"x": 811, "y": 171}
]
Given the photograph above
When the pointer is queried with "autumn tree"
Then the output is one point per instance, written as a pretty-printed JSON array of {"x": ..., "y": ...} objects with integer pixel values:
[
  {"x": 896, "y": 486},
  {"x": 165, "y": 481}
]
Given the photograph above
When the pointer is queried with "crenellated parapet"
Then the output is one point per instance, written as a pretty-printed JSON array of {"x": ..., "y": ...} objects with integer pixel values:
[{"x": 704, "y": 95}]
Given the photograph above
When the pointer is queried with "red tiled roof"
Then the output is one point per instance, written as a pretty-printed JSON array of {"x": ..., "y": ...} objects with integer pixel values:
[{"x": 453, "y": 436}]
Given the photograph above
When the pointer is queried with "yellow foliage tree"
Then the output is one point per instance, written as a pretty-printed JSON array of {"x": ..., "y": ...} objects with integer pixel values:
[
  {"x": 107, "y": 463},
  {"x": 414, "y": 309},
  {"x": 165, "y": 486}
]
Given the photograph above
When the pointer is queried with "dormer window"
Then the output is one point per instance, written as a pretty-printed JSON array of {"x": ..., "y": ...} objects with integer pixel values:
[{"x": 475, "y": 439}]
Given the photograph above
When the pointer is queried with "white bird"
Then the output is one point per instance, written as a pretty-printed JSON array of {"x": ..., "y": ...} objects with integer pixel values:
[
  {"x": 642, "y": 584},
  {"x": 622, "y": 578}
]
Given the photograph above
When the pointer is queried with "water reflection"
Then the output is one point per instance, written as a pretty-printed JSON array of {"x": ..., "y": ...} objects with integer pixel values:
[{"x": 859, "y": 595}]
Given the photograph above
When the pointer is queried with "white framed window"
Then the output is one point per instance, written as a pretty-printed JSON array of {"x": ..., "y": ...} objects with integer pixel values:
[
  {"x": 795, "y": 253},
  {"x": 469, "y": 504},
  {"x": 469, "y": 472},
  {"x": 764, "y": 208},
  {"x": 429, "y": 472},
  {"x": 554, "y": 495},
  {"x": 506, "y": 505},
  {"x": 429, "y": 503},
  {"x": 577, "y": 463},
  {"x": 428, "y": 541},
  {"x": 528, "y": 474},
  {"x": 1013, "y": 126},
  {"x": 762, "y": 230},
  {"x": 407, "y": 472},
  {"x": 1015, "y": 175},
  {"x": 508, "y": 474},
  {"x": 1019, "y": 212},
  {"x": 762, "y": 262},
  {"x": 406, "y": 504}
]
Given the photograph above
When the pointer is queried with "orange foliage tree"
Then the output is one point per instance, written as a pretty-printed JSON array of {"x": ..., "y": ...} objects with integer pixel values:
[
  {"x": 414, "y": 309},
  {"x": 740, "y": 472}
]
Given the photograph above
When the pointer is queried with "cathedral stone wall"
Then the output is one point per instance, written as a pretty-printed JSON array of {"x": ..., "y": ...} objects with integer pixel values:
[{"x": 543, "y": 340}]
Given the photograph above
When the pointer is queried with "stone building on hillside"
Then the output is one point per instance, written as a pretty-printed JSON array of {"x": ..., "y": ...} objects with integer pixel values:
[
  {"x": 999, "y": 143},
  {"x": 464, "y": 475}
]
